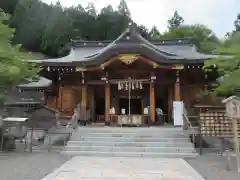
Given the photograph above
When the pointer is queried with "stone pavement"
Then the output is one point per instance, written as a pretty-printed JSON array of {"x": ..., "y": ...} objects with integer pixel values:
[{"x": 100, "y": 168}]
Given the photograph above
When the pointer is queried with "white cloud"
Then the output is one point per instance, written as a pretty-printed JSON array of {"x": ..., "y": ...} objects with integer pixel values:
[{"x": 219, "y": 15}]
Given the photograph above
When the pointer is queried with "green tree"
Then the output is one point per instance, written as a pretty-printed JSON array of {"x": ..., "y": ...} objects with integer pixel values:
[
  {"x": 29, "y": 19},
  {"x": 107, "y": 10},
  {"x": 91, "y": 9},
  {"x": 143, "y": 31},
  {"x": 48, "y": 28},
  {"x": 203, "y": 37},
  {"x": 107, "y": 28},
  {"x": 123, "y": 9},
  {"x": 83, "y": 23},
  {"x": 228, "y": 65},
  {"x": 13, "y": 67},
  {"x": 237, "y": 23},
  {"x": 8, "y": 6},
  {"x": 175, "y": 21},
  {"x": 154, "y": 33},
  {"x": 58, "y": 31}
]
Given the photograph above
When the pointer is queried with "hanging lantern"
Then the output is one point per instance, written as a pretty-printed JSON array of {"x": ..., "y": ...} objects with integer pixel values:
[
  {"x": 60, "y": 76},
  {"x": 126, "y": 85},
  {"x": 119, "y": 86},
  {"x": 137, "y": 84}
]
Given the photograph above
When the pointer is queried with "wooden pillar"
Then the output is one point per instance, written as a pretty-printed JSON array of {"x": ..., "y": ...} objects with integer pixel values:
[
  {"x": 84, "y": 102},
  {"x": 56, "y": 99},
  {"x": 45, "y": 98},
  {"x": 235, "y": 135},
  {"x": 107, "y": 103},
  {"x": 59, "y": 98},
  {"x": 177, "y": 93},
  {"x": 152, "y": 102},
  {"x": 92, "y": 104}
]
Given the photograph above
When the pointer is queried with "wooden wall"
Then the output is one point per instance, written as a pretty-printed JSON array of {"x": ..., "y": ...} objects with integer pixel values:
[
  {"x": 66, "y": 101},
  {"x": 190, "y": 95}
]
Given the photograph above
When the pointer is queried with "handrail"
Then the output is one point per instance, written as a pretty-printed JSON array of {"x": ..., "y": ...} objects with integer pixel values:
[{"x": 186, "y": 122}]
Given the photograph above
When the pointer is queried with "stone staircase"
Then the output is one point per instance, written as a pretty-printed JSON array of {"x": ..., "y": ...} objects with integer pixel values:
[{"x": 130, "y": 142}]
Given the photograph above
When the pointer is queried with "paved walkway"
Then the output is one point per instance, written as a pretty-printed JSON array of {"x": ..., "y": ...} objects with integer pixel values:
[{"x": 100, "y": 168}]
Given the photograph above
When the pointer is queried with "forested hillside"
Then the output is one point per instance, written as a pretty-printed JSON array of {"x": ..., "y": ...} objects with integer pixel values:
[{"x": 48, "y": 28}]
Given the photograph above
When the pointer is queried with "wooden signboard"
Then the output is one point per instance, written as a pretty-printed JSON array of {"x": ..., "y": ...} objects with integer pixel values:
[{"x": 232, "y": 105}]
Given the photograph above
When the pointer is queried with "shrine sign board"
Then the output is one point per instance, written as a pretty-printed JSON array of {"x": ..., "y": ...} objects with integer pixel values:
[
  {"x": 233, "y": 112},
  {"x": 232, "y": 105}
]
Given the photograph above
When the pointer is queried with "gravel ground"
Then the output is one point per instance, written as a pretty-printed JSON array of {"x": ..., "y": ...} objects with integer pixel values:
[
  {"x": 214, "y": 167},
  {"x": 29, "y": 166}
]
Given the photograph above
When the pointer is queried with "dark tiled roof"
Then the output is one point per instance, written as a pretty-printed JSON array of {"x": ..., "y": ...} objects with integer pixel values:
[
  {"x": 16, "y": 98},
  {"x": 35, "y": 83},
  {"x": 187, "y": 51},
  {"x": 38, "y": 55},
  {"x": 164, "y": 51}
]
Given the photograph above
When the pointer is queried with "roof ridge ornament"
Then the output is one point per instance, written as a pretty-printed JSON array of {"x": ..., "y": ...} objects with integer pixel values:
[
  {"x": 128, "y": 58},
  {"x": 132, "y": 28}
]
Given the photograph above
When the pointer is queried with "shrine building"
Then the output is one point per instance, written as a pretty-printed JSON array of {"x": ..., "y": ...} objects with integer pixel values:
[{"x": 128, "y": 75}]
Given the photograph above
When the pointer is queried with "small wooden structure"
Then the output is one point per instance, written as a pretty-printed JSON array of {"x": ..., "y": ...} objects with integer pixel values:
[
  {"x": 44, "y": 118},
  {"x": 13, "y": 127},
  {"x": 214, "y": 124},
  {"x": 25, "y": 101},
  {"x": 211, "y": 121},
  {"x": 233, "y": 113}
]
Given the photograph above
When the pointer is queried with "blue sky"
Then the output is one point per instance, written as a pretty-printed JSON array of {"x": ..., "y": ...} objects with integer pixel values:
[{"x": 219, "y": 15}]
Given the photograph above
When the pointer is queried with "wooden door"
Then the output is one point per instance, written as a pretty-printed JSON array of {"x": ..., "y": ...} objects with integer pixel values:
[{"x": 67, "y": 101}]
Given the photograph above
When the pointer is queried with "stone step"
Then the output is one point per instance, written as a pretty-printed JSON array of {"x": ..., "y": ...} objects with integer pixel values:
[
  {"x": 129, "y": 130},
  {"x": 130, "y": 139},
  {"x": 130, "y": 154},
  {"x": 130, "y": 144},
  {"x": 131, "y": 149},
  {"x": 91, "y": 134},
  {"x": 114, "y": 129}
]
